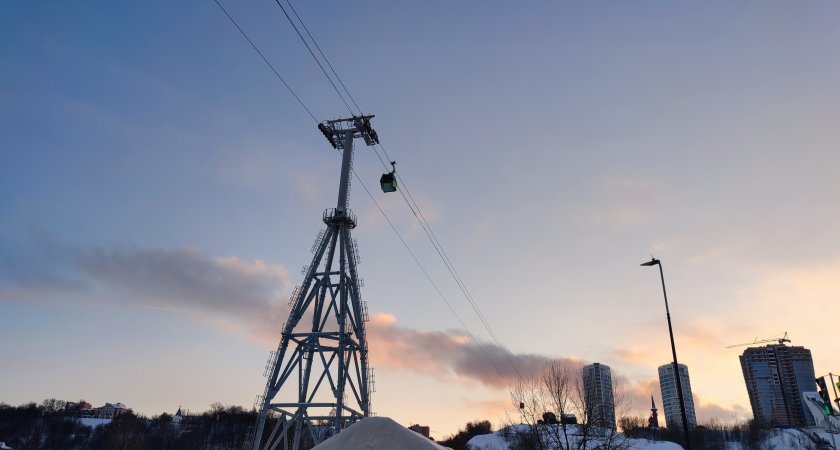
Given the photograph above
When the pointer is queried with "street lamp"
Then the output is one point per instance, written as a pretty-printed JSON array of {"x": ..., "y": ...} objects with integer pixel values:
[{"x": 655, "y": 262}]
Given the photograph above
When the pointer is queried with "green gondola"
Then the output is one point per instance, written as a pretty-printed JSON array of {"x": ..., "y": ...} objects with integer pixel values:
[{"x": 388, "y": 181}]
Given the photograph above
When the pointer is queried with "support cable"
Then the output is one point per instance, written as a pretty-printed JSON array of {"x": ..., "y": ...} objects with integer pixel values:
[
  {"x": 429, "y": 277},
  {"x": 270, "y": 66},
  {"x": 415, "y": 209},
  {"x": 409, "y": 200},
  {"x": 305, "y": 28},
  {"x": 427, "y": 229},
  {"x": 292, "y": 22}
]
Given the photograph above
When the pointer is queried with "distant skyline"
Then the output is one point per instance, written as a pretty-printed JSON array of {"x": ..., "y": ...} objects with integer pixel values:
[{"x": 160, "y": 190}]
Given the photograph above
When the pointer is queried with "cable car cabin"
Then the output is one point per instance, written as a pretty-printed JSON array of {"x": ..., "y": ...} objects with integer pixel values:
[{"x": 388, "y": 182}]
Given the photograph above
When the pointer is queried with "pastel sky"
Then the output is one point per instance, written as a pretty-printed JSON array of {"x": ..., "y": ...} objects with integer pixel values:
[{"x": 160, "y": 190}]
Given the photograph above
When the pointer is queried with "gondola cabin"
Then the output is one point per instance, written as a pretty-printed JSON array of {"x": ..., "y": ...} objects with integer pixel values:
[{"x": 388, "y": 182}]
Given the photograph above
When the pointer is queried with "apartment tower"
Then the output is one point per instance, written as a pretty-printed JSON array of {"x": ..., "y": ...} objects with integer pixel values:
[
  {"x": 776, "y": 376},
  {"x": 597, "y": 382},
  {"x": 670, "y": 398}
]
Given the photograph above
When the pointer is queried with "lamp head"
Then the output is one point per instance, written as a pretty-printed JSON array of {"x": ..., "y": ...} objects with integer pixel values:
[{"x": 653, "y": 262}]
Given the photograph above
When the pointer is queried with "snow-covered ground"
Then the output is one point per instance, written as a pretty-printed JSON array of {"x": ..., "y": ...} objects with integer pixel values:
[
  {"x": 92, "y": 422},
  {"x": 783, "y": 439},
  {"x": 776, "y": 439},
  {"x": 497, "y": 441}
]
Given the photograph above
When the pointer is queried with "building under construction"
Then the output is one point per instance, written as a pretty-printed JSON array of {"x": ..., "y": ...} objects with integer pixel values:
[{"x": 776, "y": 376}]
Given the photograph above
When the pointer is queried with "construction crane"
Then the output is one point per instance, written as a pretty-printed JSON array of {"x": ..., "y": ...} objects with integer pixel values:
[{"x": 780, "y": 340}]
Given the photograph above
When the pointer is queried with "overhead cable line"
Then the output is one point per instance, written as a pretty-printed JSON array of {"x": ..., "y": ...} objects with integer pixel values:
[
  {"x": 305, "y": 28},
  {"x": 427, "y": 229},
  {"x": 429, "y": 277},
  {"x": 270, "y": 66},
  {"x": 292, "y": 22},
  {"x": 409, "y": 200}
]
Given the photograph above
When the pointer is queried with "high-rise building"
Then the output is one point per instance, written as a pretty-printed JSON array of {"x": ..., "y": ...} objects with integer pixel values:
[
  {"x": 670, "y": 398},
  {"x": 776, "y": 376},
  {"x": 597, "y": 383}
]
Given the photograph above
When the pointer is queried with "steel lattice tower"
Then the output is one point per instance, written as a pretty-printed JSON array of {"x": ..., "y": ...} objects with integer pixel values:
[{"x": 318, "y": 379}]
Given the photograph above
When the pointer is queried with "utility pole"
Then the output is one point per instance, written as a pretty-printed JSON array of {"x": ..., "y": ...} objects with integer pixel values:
[{"x": 319, "y": 382}]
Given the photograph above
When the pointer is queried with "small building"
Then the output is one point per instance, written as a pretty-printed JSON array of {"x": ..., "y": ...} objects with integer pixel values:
[
  {"x": 110, "y": 411},
  {"x": 78, "y": 409},
  {"x": 420, "y": 429}
]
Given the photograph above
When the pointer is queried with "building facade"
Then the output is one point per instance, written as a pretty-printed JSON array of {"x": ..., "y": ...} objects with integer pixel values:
[
  {"x": 776, "y": 376},
  {"x": 598, "y": 393},
  {"x": 670, "y": 398}
]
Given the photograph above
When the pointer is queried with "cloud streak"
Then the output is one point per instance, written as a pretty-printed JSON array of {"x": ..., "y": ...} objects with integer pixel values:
[
  {"x": 249, "y": 298},
  {"x": 444, "y": 353}
]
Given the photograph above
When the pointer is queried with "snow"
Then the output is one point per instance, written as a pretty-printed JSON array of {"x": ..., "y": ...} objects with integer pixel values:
[
  {"x": 490, "y": 441},
  {"x": 784, "y": 439},
  {"x": 653, "y": 445},
  {"x": 497, "y": 441},
  {"x": 93, "y": 422},
  {"x": 828, "y": 437},
  {"x": 378, "y": 433},
  {"x": 776, "y": 439}
]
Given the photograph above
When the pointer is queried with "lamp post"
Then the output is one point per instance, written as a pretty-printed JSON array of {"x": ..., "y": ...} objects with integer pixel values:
[{"x": 655, "y": 262}]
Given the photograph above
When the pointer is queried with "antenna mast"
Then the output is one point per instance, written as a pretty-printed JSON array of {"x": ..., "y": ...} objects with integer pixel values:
[{"x": 319, "y": 381}]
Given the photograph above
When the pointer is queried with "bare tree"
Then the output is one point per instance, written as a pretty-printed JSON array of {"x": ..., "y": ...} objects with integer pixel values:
[{"x": 546, "y": 404}]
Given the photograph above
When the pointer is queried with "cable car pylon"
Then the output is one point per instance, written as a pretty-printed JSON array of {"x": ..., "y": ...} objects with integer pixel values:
[{"x": 319, "y": 381}]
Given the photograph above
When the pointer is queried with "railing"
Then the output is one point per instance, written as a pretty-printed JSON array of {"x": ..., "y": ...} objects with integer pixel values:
[{"x": 333, "y": 215}]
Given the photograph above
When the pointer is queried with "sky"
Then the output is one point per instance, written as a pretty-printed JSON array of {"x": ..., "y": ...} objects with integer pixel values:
[{"x": 160, "y": 190}]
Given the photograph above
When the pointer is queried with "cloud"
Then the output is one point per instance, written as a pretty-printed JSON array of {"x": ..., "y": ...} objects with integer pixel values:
[
  {"x": 249, "y": 298},
  {"x": 449, "y": 353},
  {"x": 638, "y": 395},
  {"x": 635, "y": 355},
  {"x": 624, "y": 203},
  {"x": 707, "y": 412}
]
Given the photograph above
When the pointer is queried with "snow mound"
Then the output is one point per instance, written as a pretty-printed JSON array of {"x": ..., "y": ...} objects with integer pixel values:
[{"x": 378, "y": 433}]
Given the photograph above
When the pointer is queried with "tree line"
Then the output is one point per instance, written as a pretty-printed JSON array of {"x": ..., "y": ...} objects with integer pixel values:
[{"x": 47, "y": 425}]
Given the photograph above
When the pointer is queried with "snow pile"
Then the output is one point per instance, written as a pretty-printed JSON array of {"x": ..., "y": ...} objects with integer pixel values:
[
  {"x": 490, "y": 441},
  {"x": 378, "y": 433}
]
